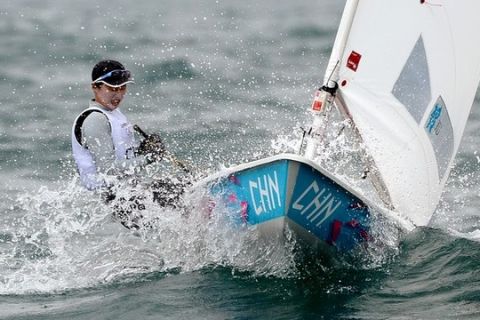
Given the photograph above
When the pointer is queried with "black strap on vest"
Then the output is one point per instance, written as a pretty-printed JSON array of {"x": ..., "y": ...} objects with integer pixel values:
[{"x": 79, "y": 124}]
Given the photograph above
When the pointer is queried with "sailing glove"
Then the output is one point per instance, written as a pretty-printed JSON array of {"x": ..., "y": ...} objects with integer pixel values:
[{"x": 152, "y": 148}]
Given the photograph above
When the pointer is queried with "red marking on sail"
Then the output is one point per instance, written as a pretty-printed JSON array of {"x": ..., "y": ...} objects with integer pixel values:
[{"x": 354, "y": 60}]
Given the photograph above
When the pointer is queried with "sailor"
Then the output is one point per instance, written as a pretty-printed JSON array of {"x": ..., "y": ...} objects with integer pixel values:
[{"x": 103, "y": 141}]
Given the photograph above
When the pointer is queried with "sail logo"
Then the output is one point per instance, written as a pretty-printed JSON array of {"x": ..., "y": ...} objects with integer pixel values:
[
  {"x": 439, "y": 130},
  {"x": 354, "y": 60},
  {"x": 433, "y": 122},
  {"x": 316, "y": 204},
  {"x": 265, "y": 193}
]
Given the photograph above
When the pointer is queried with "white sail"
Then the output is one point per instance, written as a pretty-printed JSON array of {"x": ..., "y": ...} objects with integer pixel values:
[{"x": 408, "y": 71}]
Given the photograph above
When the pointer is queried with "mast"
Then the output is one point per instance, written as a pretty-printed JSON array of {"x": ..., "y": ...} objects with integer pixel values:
[
  {"x": 326, "y": 96},
  {"x": 332, "y": 72}
]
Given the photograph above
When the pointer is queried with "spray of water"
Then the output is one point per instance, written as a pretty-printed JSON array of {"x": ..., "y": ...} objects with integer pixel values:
[
  {"x": 457, "y": 212},
  {"x": 67, "y": 238},
  {"x": 341, "y": 154}
]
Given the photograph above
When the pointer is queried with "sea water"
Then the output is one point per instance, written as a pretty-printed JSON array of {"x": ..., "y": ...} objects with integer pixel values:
[{"x": 223, "y": 83}]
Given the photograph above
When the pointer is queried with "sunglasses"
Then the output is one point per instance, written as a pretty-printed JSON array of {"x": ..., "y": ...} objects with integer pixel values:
[{"x": 118, "y": 78}]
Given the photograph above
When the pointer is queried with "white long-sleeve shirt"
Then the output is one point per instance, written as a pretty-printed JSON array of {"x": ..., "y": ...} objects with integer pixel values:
[{"x": 103, "y": 144}]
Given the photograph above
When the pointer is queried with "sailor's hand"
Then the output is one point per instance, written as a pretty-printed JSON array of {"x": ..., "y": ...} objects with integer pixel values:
[{"x": 152, "y": 148}]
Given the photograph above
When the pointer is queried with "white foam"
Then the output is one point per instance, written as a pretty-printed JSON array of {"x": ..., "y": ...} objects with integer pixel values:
[{"x": 66, "y": 239}]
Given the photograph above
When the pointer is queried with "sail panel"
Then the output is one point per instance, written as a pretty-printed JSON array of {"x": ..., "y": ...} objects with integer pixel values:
[
  {"x": 409, "y": 171},
  {"x": 412, "y": 88}
]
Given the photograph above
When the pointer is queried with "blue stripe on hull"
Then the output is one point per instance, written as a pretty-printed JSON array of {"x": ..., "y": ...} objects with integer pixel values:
[
  {"x": 287, "y": 188},
  {"x": 327, "y": 210}
]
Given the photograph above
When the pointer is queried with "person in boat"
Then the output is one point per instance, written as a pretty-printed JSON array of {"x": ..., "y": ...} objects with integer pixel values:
[{"x": 104, "y": 146}]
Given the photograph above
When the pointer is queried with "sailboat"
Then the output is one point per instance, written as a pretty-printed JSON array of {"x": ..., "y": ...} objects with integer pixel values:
[{"x": 404, "y": 73}]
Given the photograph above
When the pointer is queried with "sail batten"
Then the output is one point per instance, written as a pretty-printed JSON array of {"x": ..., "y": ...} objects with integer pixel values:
[{"x": 408, "y": 74}]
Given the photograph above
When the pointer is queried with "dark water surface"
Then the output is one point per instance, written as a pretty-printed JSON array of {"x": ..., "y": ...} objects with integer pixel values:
[{"x": 222, "y": 82}]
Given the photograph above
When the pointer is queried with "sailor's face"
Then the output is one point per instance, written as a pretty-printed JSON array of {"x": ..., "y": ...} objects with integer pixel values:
[{"x": 109, "y": 97}]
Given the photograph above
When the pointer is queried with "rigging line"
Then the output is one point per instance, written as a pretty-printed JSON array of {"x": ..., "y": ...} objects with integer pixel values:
[
  {"x": 333, "y": 71},
  {"x": 302, "y": 141},
  {"x": 371, "y": 171}
]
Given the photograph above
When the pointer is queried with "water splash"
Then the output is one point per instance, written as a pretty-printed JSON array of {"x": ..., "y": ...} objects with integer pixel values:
[
  {"x": 64, "y": 239},
  {"x": 457, "y": 213},
  {"x": 339, "y": 154},
  {"x": 342, "y": 156},
  {"x": 67, "y": 238}
]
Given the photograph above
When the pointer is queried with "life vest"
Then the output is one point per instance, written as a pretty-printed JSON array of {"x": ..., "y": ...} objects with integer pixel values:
[{"x": 122, "y": 138}]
